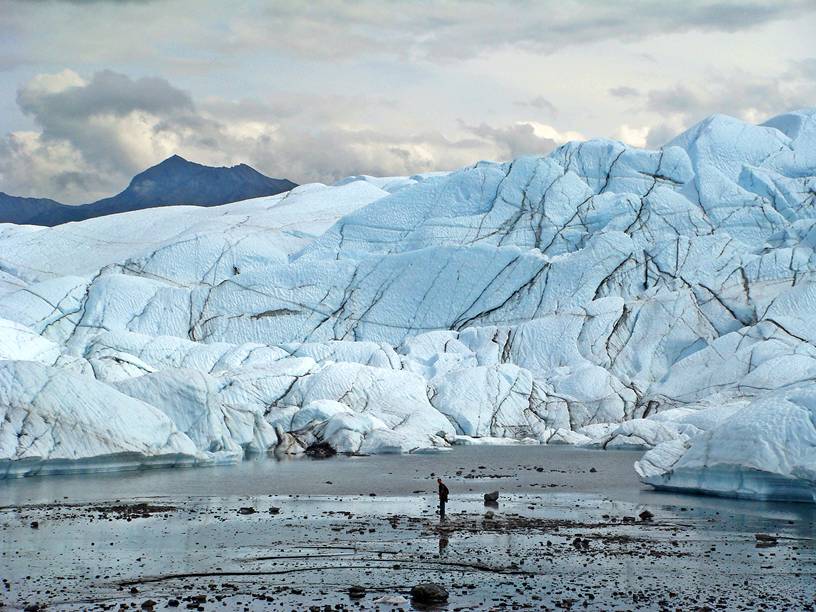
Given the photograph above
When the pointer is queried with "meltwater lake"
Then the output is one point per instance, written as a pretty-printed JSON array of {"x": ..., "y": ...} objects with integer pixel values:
[{"x": 299, "y": 533}]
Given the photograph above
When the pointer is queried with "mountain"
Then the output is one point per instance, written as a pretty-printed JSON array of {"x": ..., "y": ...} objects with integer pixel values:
[
  {"x": 601, "y": 295},
  {"x": 175, "y": 181},
  {"x": 33, "y": 211}
]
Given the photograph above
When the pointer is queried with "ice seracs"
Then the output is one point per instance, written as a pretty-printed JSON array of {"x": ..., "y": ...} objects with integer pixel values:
[
  {"x": 765, "y": 450},
  {"x": 54, "y": 421},
  {"x": 601, "y": 295}
]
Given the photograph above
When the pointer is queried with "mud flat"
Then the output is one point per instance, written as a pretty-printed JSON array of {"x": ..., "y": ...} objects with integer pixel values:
[{"x": 567, "y": 534}]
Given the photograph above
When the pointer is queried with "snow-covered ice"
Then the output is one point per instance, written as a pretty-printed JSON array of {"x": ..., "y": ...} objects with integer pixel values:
[{"x": 601, "y": 295}]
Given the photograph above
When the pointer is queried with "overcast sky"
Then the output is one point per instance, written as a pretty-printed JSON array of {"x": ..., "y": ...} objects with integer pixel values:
[{"x": 94, "y": 91}]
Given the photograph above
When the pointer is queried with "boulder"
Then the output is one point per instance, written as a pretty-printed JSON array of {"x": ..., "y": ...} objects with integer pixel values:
[{"x": 429, "y": 593}]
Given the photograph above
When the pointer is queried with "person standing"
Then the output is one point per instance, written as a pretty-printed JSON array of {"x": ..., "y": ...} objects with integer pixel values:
[{"x": 443, "y": 497}]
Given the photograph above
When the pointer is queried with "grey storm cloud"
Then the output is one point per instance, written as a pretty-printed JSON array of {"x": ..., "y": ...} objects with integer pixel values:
[{"x": 107, "y": 92}]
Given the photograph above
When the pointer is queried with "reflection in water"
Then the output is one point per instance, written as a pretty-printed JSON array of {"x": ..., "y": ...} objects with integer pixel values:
[
  {"x": 705, "y": 545},
  {"x": 443, "y": 543}
]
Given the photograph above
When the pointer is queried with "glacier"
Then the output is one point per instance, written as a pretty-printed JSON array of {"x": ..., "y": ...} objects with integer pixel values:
[{"x": 601, "y": 295}]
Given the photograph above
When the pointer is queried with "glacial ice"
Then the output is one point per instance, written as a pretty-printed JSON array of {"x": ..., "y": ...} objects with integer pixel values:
[
  {"x": 601, "y": 295},
  {"x": 54, "y": 421},
  {"x": 764, "y": 450}
]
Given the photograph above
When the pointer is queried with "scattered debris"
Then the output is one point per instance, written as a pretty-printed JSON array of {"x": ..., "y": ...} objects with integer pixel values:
[{"x": 320, "y": 450}]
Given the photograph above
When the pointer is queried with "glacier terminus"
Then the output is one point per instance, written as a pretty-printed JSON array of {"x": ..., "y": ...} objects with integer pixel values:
[{"x": 603, "y": 296}]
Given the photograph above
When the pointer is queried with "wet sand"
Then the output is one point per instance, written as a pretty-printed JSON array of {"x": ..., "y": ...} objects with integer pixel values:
[{"x": 562, "y": 537}]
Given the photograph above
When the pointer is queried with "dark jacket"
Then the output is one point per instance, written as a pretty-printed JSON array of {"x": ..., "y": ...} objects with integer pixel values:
[{"x": 443, "y": 492}]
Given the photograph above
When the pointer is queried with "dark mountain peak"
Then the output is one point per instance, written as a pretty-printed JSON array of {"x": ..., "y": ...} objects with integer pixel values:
[
  {"x": 174, "y": 161},
  {"x": 174, "y": 181},
  {"x": 173, "y": 165}
]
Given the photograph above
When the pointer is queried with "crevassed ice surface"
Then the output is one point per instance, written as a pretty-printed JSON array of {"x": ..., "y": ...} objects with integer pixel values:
[{"x": 601, "y": 295}]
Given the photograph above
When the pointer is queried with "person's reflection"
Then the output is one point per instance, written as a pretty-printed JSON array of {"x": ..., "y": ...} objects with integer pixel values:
[{"x": 443, "y": 543}]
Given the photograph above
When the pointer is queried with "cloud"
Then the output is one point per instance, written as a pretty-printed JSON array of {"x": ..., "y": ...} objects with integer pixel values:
[
  {"x": 805, "y": 69},
  {"x": 461, "y": 29},
  {"x": 743, "y": 95},
  {"x": 52, "y": 98},
  {"x": 738, "y": 93},
  {"x": 624, "y": 91},
  {"x": 330, "y": 31},
  {"x": 634, "y": 136},
  {"x": 514, "y": 140},
  {"x": 523, "y": 138},
  {"x": 96, "y": 133},
  {"x": 663, "y": 132},
  {"x": 539, "y": 103}
]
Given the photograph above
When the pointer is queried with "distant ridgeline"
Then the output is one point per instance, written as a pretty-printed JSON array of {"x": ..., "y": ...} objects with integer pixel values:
[{"x": 173, "y": 182}]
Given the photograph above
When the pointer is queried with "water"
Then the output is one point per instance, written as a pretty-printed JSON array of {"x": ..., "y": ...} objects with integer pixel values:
[{"x": 331, "y": 532}]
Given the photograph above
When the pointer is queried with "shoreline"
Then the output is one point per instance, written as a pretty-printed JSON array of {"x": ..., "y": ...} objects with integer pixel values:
[{"x": 580, "y": 543}]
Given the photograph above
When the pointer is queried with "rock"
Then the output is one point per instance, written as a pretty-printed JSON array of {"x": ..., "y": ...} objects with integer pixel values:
[
  {"x": 148, "y": 604},
  {"x": 428, "y": 593},
  {"x": 592, "y": 470},
  {"x": 628, "y": 519},
  {"x": 274, "y": 510},
  {"x": 489, "y": 515},
  {"x": 764, "y": 540},
  {"x": 35, "y": 524},
  {"x": 356, "y": 592},
  {"x": 580, "y": 543},
  {"x": 391, "y": 600},
  {"x": 173, "y": 603},
  {"x": 247, "y": 510},
  {"x": 646, "y": 516},
  {"x": 320, "y": 450},
  {"x": 491, "y": 497}
]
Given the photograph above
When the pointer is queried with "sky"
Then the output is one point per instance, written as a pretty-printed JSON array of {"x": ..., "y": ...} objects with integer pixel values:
[{"x": 95, "y": 91}]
